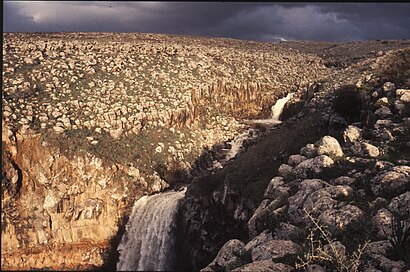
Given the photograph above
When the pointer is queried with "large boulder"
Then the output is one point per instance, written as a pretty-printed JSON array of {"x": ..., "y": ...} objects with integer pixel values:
[
  {"x": 393, "y": 181},
  {"x": 313, "y": 167},
  {"x": 264, "y": 266},
  {"x": 276, "y": 250},
  {"x": 329, "y": 146},
  {"x": 364, "y": 149},
  {"x": 352, "y": 134},
  {"x": 228, "y": 257},
  {"x": 346, "y": 218}
]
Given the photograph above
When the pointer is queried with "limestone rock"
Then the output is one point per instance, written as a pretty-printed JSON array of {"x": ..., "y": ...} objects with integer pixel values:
[
  {"x": 285, "y": 171},
  {"x": 228, "y": 256},
  {"x": 264, "y": 265},
  {"x": 295, "y": 159},
  {"x": 347, "y": 217},
  {"x": 383, "y": 112},
  {"x": 329, "y": 146},
  {"x": 393, "y": 181},
  {"x": 404, "y": 95},
  {"x": 309, "y": 151},
  {"x": 275, "y": 250},
  {"x": 400, "y": 205},
  {"x": 313, "y": 167},
  {"x": 382, "y": 221},
  {"x": 276, "y": 189},
  {"x": 364, "y": 149},
  {"x": 352, "y": 134}
]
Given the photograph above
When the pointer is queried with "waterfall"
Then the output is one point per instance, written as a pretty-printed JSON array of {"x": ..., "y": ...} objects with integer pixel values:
[
  {"x": 149, "y": 239},
  {"x": 276, "y": 111},
  {"x": 278, "y": 107}
]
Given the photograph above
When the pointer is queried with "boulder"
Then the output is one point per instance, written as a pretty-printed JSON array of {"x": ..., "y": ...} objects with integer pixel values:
[
  {"x": 342, "y": 220},
  {"x": 295, "y": 159},
  {"x": 393, "y": 181},
  {"x": 296, "y": 202},
  {"x": 286, "y": 171},
  {"x": 228, "y": 257},
  {"x": 308, "y": 151},
  {"x": 400, "y": 205},
  {"x": 382, "y": 221},
  {"x": 404, "y": 95},
  {"x": 276, "y": 250},
  {"x": 364, "y": 149},
  {"x": 383, "y": 112},
  {"x": 352, "y": 134},
  {"x": 265, "y": 265},
  {"x": 276, "y": 189},
  {"x": 328, "y": 145},
  {"x": 313, "y": 167}
]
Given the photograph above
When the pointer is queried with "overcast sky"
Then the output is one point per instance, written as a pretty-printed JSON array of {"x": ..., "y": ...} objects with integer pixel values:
[{"x": 252, "y": 21}]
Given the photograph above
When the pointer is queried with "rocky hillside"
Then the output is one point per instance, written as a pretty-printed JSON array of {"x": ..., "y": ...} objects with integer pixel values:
[
  {"x": 93, "y": 121},
  {"x": 327, "y": 190}
]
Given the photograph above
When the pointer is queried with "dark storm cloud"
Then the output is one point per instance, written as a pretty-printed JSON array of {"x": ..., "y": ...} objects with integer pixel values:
[{"x": 254, "y": 21}]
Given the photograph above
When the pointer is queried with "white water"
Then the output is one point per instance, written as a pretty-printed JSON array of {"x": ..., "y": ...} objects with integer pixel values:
[
  {"x": 237, "y": 142},
  {"x": 276, "y": 110},
  {"x": 149, "y": 239}
]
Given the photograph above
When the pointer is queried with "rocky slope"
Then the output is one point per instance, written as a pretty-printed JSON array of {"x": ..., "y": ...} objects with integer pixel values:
[{"x": 338, "y": 203}]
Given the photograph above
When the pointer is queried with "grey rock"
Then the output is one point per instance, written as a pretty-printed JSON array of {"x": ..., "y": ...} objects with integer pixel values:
[
  {"x": 364, "y": 149},
  {"x": 296, "y": 202},
  {"x": 276, "y": 189},
  {"x": 286, "y": 171},
  {"x": 275, "y": 250},
  {"x": 228, "y": 256},
  {"x": 313, "y": 167},
  {"x": 262, "y": 238},
  {"x": 328, "y": 145},
  {"x": 315, "y": 268},
  {"x": 393, "y": 181},
  {"x": 308, "y": 151},
  {"x": 344, "y": 180},
  {"x": 346, "y": 217},
  {"x": 352, "y": 134},
  {"x": 295, "y": 159},
  {"x": 265, "y": 265},
  {"x": 382, "y": 221},
  {"x": 383, "y": 112},
  {"x": 388, "y": 87},
  {"x": 400, "y": 205}
]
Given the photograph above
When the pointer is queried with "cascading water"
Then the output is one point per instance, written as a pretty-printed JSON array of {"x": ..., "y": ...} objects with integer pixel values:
[
  {"x": 276, "y": 112},
  {"x": 237, "y": 142},
  {"x": 149, "y": 239}
]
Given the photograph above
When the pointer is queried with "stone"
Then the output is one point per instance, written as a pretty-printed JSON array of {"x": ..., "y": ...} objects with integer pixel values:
[
  {"x": 352, "y": 134},
  {"x": 342, "y": 220},
  {"x": 404, "y": 95},
  {"x": 393, "y": 181},
  {"x": 296, "y": 202},
  {"x": 383, "y": 221},
  {"x": 308, "y": 151},
  {"x": 286, "y": 231},
  {"x": 364, "y": 149},
  {"x": 313, "y": 167},
  {"x": 276, "y": 189},
  {"x": 400, "y": 205},
  {"x": 116, "y": 133},
  {"x": 276, "y": 250},
  {"x": 383, "y": 112},
  {"x": 262, "y": 238},
  {"x": 328, "y": 145},
  {"x": 295, "y": 159},
  {"x": 382, "y": 102},
  {"x": 265, "y": 265},
  {"x": 228, "y": 256},
  {"x": 388, "y": 87},
  {"x": 285, "y": 171},
  {"x": 315, "y": 268}
]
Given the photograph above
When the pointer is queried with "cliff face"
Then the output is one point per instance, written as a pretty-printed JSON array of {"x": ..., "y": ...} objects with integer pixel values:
[{"x": 58, "y": 212}]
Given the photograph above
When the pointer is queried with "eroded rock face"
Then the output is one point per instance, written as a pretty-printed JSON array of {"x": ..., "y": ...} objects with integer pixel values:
[{"x": 56, "y": 205}]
